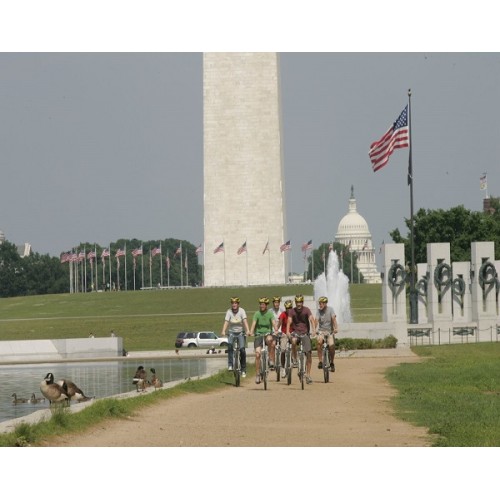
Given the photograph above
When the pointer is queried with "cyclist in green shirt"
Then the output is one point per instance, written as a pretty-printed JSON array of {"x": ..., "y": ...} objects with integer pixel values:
[{"x": 263, "y": 327}]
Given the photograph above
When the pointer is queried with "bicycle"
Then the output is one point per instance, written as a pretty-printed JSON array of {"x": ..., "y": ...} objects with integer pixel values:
[
  {"x": 277, "y": 357},
  {"x": 264, "y": 360},
  {"x": 288, "y": 362},
  {"x": 326, "y": 358},
  {"x": 302, "y": 363},
  {"x": 236, "y": 360}
]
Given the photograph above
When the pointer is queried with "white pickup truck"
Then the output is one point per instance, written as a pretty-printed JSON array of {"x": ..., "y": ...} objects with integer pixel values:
[{"x": 205, "y": 339}]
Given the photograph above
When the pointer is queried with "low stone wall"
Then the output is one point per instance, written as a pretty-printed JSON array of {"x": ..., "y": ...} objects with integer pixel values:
[{"x": 59, "y": 349}]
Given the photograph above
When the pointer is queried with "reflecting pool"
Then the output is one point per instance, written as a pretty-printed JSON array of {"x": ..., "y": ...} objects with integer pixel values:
[{"x": 94, "y": 378}]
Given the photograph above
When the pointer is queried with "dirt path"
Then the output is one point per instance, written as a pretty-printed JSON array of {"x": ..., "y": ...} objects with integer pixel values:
[{"x": 352, "y": 410}]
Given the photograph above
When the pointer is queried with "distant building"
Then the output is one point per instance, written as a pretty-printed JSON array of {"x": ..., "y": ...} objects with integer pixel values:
[
  {"x": 23, "y": 250},
  {"x": 353, "y": 232}
]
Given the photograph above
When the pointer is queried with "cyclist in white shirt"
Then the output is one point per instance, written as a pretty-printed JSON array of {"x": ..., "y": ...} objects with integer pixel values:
[{"x": 236, "y": 323}]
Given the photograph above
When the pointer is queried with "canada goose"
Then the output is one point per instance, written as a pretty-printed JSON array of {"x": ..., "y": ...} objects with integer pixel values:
[
  {"x": 35, "y": 400},
  {"x": 155, "y": 381},
  {"x": 74, "y": 392},
  {"x": 17, "y": 400},
  {"x": 52, "y": 391},
  {"x": 140, "y": 379}
]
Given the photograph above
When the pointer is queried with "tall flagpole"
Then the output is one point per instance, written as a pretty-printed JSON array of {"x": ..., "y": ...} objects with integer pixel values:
[
  {"x": 161, "y": 266},
  {"x": 413, "y": 291},
  {"x": 125, "y": 259}
]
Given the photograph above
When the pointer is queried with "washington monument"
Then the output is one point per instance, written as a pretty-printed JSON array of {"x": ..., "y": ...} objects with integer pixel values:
[{"x": 244, "y": 205}]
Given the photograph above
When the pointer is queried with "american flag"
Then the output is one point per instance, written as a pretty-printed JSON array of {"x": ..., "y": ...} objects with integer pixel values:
[
  {"x": 105, "y": 253},
  {"x": 81, "y": 256},
  {"x": 483, "y": 183},
  {"x": 242, "y": 249},
  {"x": 155, "y": 251},
  {"x": 73, "y": 257},
  {"x": 266, "y": 248},
  {"x": 167, "y": 261},
  {"x": 286, "y": 246},
  {"x": 65, "y": 257},
  {"x": 307, "y": 246},
  {"x": 178, "y": 251},
  {"x": 137, "y": 251},
  {"x": 199, "y": 249},
  {"x": 398, "y": 136},
  {"x": 120, "y": 253},
  {"x": 91, "y": 255},
  {"x": 220, "y": 248}
]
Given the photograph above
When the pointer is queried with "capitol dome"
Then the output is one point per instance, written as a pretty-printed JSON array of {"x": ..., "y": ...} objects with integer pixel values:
[{"x": 353, "y": 232}]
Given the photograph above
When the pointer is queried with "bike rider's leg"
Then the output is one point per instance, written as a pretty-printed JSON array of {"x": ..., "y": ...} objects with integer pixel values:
[
  {"x": 271, "y": 347},
  {"x": 283, "y": 343},
  {"x": 230, "y": 350},
  {"x": 306, "y": 340},
  {"x": 331, "y": 348},
  {"x": 294, "y": 351},
  {"x": 258, "y": 348},
  {"x": 243, "y": 354},
  {"x": 319, "y": 345}
]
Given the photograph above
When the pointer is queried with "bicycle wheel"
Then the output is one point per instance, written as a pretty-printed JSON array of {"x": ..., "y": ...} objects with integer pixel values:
[
  {"x": 326, "y": 364},
  {"x": 236, "y": 366},
  {"x": 277, "y": 363},
  {"x": 288, "y": 367},
  {"x": 302, "y": 371},
  {"x": 264, "y": 369}
]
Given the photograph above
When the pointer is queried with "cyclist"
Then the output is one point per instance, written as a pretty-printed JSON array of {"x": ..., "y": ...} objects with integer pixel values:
[
  {"x": 326, "y": 328},
  {"x": 282, "y": 326},
  {"x": 277, "y": 309},
  {"x": 263, "y": 326},
  {"x": 303, "y": 323},
  {"x": 236, "y": 323}
]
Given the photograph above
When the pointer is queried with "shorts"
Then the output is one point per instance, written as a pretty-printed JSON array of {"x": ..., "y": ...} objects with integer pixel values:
[
  {"x": 259, "y": 339},
  {"x": 329, "y": 336},
  {"x": 305, "y": 340}
]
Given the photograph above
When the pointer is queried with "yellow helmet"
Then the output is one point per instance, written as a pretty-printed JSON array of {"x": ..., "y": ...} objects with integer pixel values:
[
  {"x": 299, "y": 298},
  {"x": 288, "y": 304},
  {"x": 323, "y": 300},
  {"x": 276, "y": 299},
  {"x": 235, "y": 299},
  {"x": 263, "y": 300}
]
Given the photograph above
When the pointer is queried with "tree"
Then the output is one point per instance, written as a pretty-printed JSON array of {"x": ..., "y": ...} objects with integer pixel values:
[{"x": 457, "y": 226}]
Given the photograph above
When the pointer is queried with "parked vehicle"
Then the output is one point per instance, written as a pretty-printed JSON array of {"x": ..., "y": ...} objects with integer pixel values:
[
  {"x": 204, "y": 339},
  {"x": 182, "y": 336}
]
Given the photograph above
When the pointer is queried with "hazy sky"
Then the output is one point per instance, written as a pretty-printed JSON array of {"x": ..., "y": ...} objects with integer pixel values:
[{"x": 102, "y": 146}]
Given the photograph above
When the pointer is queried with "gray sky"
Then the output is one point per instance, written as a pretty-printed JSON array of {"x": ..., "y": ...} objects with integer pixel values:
[{"x": 101, "y": 146}]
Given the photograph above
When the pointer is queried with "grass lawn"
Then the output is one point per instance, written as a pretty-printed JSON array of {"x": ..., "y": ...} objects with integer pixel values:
[
  {"x": 455, "y": 392},
  {"x": 149, "y": 320}
]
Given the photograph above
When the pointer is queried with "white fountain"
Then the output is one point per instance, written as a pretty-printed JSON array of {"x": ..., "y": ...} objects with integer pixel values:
[{"x": 335, "y": 286}]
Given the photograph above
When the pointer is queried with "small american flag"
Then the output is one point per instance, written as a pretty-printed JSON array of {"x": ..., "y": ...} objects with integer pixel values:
[
  {"x": 105, "y": 253},
  {"x": 398, "y": 136},
  {"x": 307, "y": 246},
  {"x": 178, "y": 251},
  {"x": 199, "y": 249},
  {"x": 91, "y": 255},
  {"x": 65, "y": 257},
  {"x": 155, "y": 251},
  {"x": 120, "y": 253},
  {"x": 286, "y": 246},
  {"x": 483, "y": 183},
  {"x": 137, "y": 251},
  {"x": 81, "y": 256},
  {"x": 242, "y": 249},
  {"x": 220, "y": 248},
  {"x": 167, "y": 260}
]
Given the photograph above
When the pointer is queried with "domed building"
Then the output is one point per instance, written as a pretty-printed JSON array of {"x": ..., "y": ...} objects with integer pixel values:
[{"x": 353, "y": 232}]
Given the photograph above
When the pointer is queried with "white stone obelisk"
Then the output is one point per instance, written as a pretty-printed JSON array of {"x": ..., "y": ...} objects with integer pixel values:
[{"x": 243, "y": 170}]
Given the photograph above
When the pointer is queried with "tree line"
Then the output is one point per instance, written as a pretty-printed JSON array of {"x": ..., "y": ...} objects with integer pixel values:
[{"x": 38, "y": 274}]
